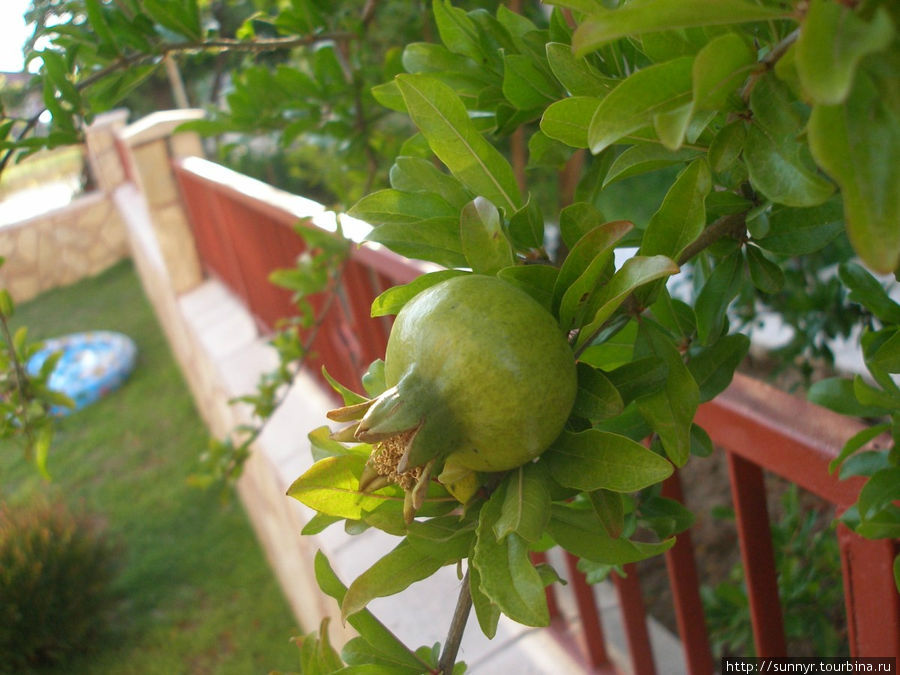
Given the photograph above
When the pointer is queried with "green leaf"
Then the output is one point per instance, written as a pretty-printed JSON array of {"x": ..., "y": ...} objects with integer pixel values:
[
  {"x": 713, "y": 367},
  {"x": 765, "y": 274},
  {"x": 639, "y": 377},
  {"x": 644, "y": 158},
  {"x": 720, "y": 289},
  {"x": 526, "y": 504},
  {"x": 634, "y": 103},
  {"x": 833, "y": 40},
  {"x": 459, "y": 33},
  {"x": 369, "y": 628},
  {"x": 634, "y": 273},
  {"x": 576, "y": 220},
  {"x": 610, "y": 509},
  {"x": 857, "y": 144},
  {"x": 536, "y": 280},
  {"x": 868, "y": 292},
  {"x": 436, "y": 240},
  {"x": 426, "y": 57},
  {"x": 779, "y": 164},
  {"x": 324, "y": 446},
  {"x": 447, "y": 538},
  {"x": 794, "y": 232},
  {"x": 597, "y": 398},
  {"x": 442, "y": 118},
  {"x": 544, "y": 151},
  {"x": 575, "y": 74},
  {"x": 349, "y": 397},
  {"x": 180, "y": 17},
  {"x": 526, "y": 226},
  {"x": 648, "y": 16},
  {"x": 394, "y": 298},
  {"x": 484, "y": 243},
  {"x": 568, "y": 120},
  {"x": 396, "y": 571},
  {"x": 525, "y": 85},
  {"x": 331, "y": 486},
  {"x": 855, "y": 442},
  {"x": 318, "y": 523},
  {"x": 507, "y": 577},
  {"x": 396, "y": 207},
  {"x": 581, "y": 532},
  {"x": 588, "y": 263},
  {"x": 592, "y": 459},
  {"x": 682, "y": 215},
  {"x": 874, "y": 397},
  {"x": 373, "y": 379},
  {"x": 720, "y": 68},
  {"x": 414, "y": 174},
  {"x": 671, "y": 410},
  {"x": 486, "y": 611},
  {"x": 7, "y": 306},
  {"x": 727, "y": 146},
  {"x": 665, "y": 516},
  {"x": 887, "y": 356},
  {"x": 97, "y": 21},
  {"x": 882, "y": 489},
  {"x": 593, "y": 291}
]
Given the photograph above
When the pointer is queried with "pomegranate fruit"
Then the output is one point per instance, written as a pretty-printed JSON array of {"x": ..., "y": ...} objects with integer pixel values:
[{"x": 480, "y": 379}]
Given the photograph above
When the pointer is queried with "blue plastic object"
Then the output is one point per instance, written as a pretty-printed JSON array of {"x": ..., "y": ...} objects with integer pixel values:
[{"x": 92, "y": 364}]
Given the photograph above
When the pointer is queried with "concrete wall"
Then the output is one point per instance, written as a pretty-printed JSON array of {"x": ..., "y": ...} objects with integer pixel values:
[{"x": 79, "y": 240}]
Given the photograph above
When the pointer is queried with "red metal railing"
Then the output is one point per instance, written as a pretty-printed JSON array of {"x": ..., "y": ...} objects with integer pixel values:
[{"x": 242, "y": 237}]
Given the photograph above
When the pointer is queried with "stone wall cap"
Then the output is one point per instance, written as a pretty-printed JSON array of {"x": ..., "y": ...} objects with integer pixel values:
[{"x": 158, "y": 125}]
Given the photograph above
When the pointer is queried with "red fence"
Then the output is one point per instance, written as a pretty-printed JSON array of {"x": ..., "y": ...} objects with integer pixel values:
[{"x": 242, "y": 236}]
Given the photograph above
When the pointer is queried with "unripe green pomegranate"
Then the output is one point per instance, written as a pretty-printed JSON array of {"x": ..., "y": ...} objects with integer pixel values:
[{"x": 481, "y": 379}]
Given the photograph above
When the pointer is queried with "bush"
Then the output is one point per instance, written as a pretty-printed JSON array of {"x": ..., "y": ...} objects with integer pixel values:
[{"x": 55, "y": 574}]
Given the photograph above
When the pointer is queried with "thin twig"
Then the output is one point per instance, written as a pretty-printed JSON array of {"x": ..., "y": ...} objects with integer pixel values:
[
  {"x": 768, "y": 62},
  {"x": 457, "y": 627},
  {"x": 165, "y": 49}
]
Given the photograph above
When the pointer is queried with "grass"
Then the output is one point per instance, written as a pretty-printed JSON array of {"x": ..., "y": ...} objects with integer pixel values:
[{"x": 197, "y": 595}]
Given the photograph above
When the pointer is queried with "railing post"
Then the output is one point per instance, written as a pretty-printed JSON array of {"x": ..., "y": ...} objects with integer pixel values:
[
  {"x": 757, "y": 554},
  {"x": 685, "y": 583},
  {"x": 148, "y": 147},
  {"x": 872, "y": 601}
]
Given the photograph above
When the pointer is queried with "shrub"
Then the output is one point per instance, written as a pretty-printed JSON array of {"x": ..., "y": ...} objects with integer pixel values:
[{"x": 55, "y": 593}]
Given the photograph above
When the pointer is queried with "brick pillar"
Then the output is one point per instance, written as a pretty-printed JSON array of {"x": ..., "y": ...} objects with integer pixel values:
[
  {"x": 102, "y": 155},
  {"x": 148, "y": 146}
]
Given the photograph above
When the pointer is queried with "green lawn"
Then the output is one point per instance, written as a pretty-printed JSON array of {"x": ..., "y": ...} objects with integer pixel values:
[{"x": 197, "y": 594}]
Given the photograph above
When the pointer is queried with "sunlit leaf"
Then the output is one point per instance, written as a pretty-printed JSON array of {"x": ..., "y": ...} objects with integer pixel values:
[
  {"x": 443, "y": 120},
  {"x": 393, "y": 299},
  {"x": 591, "y": 460},
  {"x": 632, "y": 105}
]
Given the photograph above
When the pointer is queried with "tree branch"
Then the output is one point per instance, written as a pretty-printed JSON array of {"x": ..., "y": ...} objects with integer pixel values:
[
  {"x": 768, "y": 62},
  {"x": 732, "y": 225},
  {"x": 457, "y": 627}
]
